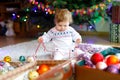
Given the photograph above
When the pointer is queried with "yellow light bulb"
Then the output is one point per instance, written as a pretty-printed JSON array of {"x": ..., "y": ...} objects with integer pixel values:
[{"x": 38, "y": 26}]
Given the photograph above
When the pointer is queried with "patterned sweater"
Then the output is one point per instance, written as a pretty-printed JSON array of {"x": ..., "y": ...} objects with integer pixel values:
[{"x": 62, "y": 39}]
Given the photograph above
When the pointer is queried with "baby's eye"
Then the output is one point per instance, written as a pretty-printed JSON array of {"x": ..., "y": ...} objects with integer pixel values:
[
  {"x": 65, "y": 25},
  {"x": 60, "y": 25}
]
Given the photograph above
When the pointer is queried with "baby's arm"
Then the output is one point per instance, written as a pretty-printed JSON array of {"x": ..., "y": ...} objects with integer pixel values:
[
  {"x": 76, "y": 36},
  {"x": 45, "y": 37}
]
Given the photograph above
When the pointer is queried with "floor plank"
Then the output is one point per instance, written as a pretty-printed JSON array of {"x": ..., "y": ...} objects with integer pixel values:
[{"x": 5, "y": 41}]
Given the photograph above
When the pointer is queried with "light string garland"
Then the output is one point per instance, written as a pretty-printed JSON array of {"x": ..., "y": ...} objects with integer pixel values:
[
  {"x": 48, "y": 9},
  {"x": 53, "y": 51},
  {"x": 92, "y": 14}
]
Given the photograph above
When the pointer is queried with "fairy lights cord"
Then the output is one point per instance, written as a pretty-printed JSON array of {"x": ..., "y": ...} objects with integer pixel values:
[
  {"x": 45, "y": 49},
  {"x": 34, "y": 55},
  {"x": 75, "y": 51}
]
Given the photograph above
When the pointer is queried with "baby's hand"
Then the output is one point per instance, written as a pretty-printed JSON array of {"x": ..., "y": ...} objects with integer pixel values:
[
  {"x": 78, "y": 41},
  {"x": 40, "y": 39}
]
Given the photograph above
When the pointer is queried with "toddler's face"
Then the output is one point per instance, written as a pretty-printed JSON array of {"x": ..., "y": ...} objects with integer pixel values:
[{"x": 62, "y": 26}]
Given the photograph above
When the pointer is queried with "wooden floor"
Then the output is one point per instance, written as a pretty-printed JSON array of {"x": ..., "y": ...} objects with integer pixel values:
[{"x": 5, "y": 41}]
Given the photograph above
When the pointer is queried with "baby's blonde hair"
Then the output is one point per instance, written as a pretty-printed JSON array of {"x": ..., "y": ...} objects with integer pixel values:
[{"x": 63, "y": 15}]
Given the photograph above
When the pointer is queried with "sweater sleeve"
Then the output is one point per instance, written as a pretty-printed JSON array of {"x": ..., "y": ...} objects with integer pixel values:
[
  {"x": 48, "y": 36},
  {"x": 75, "y": 35}
]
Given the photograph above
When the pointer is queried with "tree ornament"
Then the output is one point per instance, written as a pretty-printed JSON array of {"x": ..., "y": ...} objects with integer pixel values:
[
  {"x": 33, "y": 75},
  {"x": 97, "y": 57},
  {"x": 101, "y": 65},
  {"x": 30, "y": 59},
  {"x": 22, "y": 58},
  {"x": 43, "y": 68},
  {"x": 113, "y": 69},
  {"x": 112, "y": 59},
  {"x": 7, "y": 58}
]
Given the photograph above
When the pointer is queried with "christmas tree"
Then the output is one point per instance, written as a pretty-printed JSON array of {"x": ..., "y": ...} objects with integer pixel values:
[
  {"x": 82, "y": 10},
  {"x": 41, "y": 12}
]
